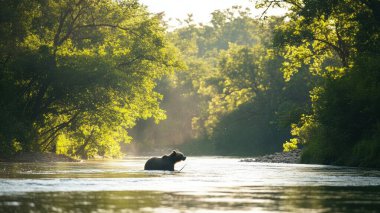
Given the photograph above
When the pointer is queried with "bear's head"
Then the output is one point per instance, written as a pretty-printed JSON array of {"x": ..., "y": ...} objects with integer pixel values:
[{"x": 177, "y": 156}]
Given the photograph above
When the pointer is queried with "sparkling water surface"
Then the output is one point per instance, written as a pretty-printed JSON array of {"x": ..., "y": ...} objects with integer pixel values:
[{"x": 204, "y": 184}]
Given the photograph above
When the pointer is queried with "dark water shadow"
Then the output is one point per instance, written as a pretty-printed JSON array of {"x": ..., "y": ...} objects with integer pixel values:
[{"x": 272, "y": 199}]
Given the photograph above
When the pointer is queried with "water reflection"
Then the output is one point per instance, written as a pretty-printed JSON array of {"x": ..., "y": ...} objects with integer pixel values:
[
  {"x": 205, "y": 185},
  {"x": 90, "y": 169},
  {"x": 278, "y": 199}
]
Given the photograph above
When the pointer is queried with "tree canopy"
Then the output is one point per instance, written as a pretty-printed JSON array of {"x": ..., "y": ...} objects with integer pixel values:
[
  {"x": 337, "y": 40},
  {"x": 76, "y": 74}
]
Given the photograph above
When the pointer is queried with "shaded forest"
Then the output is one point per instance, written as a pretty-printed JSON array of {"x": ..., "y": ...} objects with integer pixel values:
[{"x": 85, "y": 78}]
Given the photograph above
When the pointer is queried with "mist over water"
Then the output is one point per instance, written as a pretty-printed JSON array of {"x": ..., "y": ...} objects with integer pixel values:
[{"x": 204, "y": 184}]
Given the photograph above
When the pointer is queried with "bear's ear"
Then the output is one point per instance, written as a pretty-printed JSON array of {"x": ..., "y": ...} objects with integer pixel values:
[{"x": 174, "y": 152}]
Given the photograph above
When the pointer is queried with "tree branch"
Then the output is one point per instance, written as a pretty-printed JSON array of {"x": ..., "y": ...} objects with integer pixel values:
[
  {"x": 86, "y": 142},
  {"x": 335, "y": 48},
  {"x": 61, "y": 126},
  {"x": 108, "y": 25}
]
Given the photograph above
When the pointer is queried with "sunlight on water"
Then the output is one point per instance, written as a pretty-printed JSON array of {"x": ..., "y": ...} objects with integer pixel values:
[{"x": 205, "y": 184}]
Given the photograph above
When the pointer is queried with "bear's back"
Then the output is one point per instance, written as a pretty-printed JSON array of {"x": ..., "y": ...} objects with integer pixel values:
[{"x": 163, "y": 163}]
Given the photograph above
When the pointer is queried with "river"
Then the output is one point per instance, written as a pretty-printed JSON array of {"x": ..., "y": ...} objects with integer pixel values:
[{"x": 205, "y": 184}]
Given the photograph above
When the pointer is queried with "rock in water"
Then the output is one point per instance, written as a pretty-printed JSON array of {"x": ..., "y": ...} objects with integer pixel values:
[{"x": 278, "y": 157}]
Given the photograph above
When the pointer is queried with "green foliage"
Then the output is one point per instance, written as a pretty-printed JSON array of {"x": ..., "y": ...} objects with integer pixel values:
[
  {"x": 231, "y": 99},
  {"x": 348, "y": 117},
  {"x": 325, "y": 99},
  {"x": 76, "y": 76},
  {"x": 337, "y": 43},
  {"x": 79, "y": 74}
]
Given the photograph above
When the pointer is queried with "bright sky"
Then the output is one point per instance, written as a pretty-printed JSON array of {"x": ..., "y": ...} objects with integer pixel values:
[{"x": 201, "y": 9}]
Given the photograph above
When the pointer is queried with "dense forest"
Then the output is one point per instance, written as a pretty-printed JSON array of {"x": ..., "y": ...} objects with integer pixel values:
[
  {"x": 84, "y": 78},
  {"x": 232, "y": 99}
]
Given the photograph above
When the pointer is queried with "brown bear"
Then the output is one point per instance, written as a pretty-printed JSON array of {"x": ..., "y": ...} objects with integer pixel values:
[{"x": 165, "y": 162}]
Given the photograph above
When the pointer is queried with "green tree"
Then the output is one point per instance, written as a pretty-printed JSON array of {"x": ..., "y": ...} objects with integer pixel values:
[
  {"x": 255, "y": 117},
  {"x": 342, "y": 127},
  {"x": 79, "y": 74}
]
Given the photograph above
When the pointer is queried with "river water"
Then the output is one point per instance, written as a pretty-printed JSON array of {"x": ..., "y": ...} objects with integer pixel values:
[{"x": 205, "y": 184}]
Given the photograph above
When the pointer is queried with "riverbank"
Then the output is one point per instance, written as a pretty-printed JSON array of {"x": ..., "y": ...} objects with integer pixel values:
[
  {"x": 27, "y": 157},
  {"x": 278, "y": 157}
]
